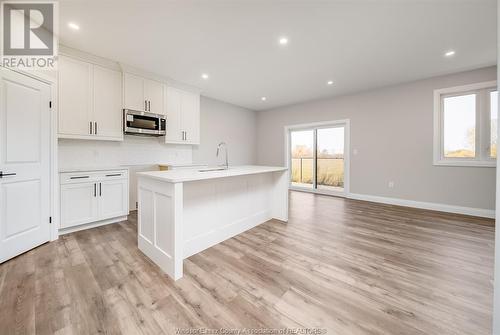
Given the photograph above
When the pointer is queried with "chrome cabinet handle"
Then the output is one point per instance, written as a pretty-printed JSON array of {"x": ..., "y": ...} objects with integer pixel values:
[
  {"x": 149, "y": 106},
  {"x": 145, "y": 105},
  {"x": 79, "y": 177},
  {"x": 100, "y": 189},
  {"x": 95, "y": 128},
  {"x": 95, "y": 190},
  {"x": 6, "y": 174},
  {"x": 90, "y": 127},
  {"x": 185, "y": 136}
]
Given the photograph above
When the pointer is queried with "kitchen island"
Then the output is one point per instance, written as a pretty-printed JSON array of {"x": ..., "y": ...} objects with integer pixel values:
[{"x": 182, "y": 212}]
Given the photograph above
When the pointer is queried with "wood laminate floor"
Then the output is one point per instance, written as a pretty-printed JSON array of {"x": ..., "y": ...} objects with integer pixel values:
[{"x": 348, "y": 266}]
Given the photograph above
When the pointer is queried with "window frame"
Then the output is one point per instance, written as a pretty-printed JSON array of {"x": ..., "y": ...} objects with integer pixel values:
[{"x": 483, "y": 139}]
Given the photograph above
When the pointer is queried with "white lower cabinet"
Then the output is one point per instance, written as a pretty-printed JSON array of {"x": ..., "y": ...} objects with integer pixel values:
[
  {"x": 92, "y": 197},
  {"x": 113, "y": 198}
]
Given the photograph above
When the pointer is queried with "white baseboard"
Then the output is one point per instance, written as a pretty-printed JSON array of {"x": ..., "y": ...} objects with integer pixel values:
[
  {"x": 91, "y": 225},
  {"x": 486, "y": 213}
]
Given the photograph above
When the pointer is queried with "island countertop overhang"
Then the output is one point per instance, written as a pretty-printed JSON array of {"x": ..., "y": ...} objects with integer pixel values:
[{"x": 180, "y": 176}]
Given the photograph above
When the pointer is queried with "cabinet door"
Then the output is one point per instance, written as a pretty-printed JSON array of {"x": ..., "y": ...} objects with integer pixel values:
[
  {"x": 78, "y": 204},
  {"x": 134, "y": 92},
  {"x": 75, "y": 90},
  {"x": 113, "y": 198},
  {"x": 190, "y": 117},
  {"x": 174, "y": 131},
  {"x": 154, "y": 96},
  {"x": 107, "y": 113}
]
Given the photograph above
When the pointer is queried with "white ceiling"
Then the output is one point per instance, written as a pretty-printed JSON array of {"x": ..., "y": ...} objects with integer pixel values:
[{"x": 359, "y": 44}]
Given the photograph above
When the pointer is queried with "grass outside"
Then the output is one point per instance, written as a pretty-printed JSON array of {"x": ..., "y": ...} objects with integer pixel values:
[{"x": 330, "y": 171}]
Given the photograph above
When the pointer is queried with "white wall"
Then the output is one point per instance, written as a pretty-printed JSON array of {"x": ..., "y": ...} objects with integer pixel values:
[
  {"x": 392, "y": 130},
  {"x": 223, "y": 122}
]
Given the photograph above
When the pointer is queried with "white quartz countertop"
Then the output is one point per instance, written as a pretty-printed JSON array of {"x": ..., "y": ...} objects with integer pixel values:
[{"x": 179, "y": 176}]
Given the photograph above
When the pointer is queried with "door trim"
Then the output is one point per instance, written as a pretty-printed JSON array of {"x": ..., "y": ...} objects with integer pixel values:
[{"x": 347, "y": 153}]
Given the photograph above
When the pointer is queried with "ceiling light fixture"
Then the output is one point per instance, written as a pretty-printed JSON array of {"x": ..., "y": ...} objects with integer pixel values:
[
  {"x": 329, "y": 82},
  {"x": 73, "y": 26},
  {"x": 263, "y": 98},
  {"x": 450, "y": 53},
  {"x": 204, "y": 76},
  {"x": 283, "y": 40}
]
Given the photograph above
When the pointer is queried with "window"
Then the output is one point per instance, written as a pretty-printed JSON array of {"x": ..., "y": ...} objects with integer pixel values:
[
  {"x": 318, "y": 157},
  {"x": 465, "y": 125}
]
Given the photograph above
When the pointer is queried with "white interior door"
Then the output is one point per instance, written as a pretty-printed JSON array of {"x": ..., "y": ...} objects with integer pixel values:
[{"x": 24, "y": 162}]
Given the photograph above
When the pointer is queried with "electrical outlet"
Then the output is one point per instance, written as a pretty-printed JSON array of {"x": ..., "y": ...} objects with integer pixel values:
[{"x": 391, "y": 184}]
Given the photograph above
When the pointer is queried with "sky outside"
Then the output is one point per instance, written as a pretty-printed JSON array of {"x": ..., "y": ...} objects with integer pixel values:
[
  {"x": 460, "y": 119},
  {"x": 331, "y": 139}
]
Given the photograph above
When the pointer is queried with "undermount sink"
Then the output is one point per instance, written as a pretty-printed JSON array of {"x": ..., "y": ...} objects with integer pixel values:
[{"x": 213, "y": 169}]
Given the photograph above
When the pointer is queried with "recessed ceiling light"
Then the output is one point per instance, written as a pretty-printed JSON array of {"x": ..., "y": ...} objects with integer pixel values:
[
  {"x": 263, "y": 98},
  {"x": 73, "y": 26},
  {"x": 329, "y": 82},
  {"x": 283, "y": 40},
  {"x": 450, "y": 53},
  {"x": 204, "y": 76}
]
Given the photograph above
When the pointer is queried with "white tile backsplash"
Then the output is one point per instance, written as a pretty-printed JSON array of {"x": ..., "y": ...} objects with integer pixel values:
[{"x": 131, "y": 152}]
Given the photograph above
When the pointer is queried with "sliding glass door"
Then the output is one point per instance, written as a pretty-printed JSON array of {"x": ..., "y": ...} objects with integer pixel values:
[
  {"x": 317, "y": 158},
  {"x": 302, "y": 144}
]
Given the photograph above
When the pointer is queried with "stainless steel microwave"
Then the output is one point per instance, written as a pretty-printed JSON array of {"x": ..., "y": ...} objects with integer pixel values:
[{"x": 143, "y": 123}]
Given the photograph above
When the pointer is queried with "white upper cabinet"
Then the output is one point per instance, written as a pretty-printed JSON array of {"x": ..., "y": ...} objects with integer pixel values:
[
  {"x": 90, "y": 101},
  {"x": 174, "y": 130},
  {"x": 107, "y": 97},
  {"x": 134, "y": 92},
  {"x": 75, "y": 97},
  {"x": 154, "y": 96},
  {"x": 190, "y": 117},
  {"x": 143, "y": 94},
  {"x": 183, "y": 117}
]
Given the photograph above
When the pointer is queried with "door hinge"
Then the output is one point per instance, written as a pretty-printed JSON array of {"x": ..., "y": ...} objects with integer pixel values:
[
  {"x": 50, "y": 104},
  {"x": 50, "y": 219}
]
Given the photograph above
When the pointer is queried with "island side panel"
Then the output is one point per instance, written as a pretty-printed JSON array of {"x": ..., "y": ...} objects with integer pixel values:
[
  {"x": 280, "y": 195},
  {"x": 160, "y": 216},
  {"x": 218, "y": 209}
]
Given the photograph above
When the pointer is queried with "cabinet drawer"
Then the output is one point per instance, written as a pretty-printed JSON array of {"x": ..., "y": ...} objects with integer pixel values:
[
  {"x": 115, "y": 174},
  {"x": 78, "y": 177},
  {"x": 92, "y": 176}
]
